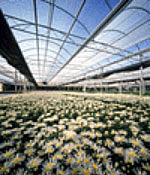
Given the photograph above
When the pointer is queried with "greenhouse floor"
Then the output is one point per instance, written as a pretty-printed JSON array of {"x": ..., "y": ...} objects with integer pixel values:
[
  {"x": 56, "y": 133},
  {"x": 3, "y": 95}
]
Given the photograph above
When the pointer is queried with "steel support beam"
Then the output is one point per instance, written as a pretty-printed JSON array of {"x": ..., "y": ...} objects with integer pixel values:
[
  {"x": 67, "y": 12},
  {"x": 50, "y": 20},
  {"x": 70, "y": 29},
  {"x": 105, "y": 22},
  {"x": 117, "y": 61},
  {"x": 133, "y": 67},
  {"x": 10, "y": 50},
  {"x": 37, "y": 37},
  {"x": 43, "y": 26}
]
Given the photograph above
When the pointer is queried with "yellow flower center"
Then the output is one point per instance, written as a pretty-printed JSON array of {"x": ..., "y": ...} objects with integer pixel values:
[
  {"x": 86, "y": 160},
  {"x": 145, "y": 138},
  {"x": 59, "y": 156},
  {"x": 147, "y": 168},
  {"x": 29, "y": 152},
  {"x": 7, "y": 154},
  {"x": 75, "y": 171},
  {"x": 119, "y": 151},
  {"x": 105, "y": 160},
  {"x": 50, "y": 143},
  {"x": 28, "y": 145},
  {"x": 79, "y": 153},
  {"x": 94, "y": 166},
  {"x": 108, "y": 142},
  {"x": 78, "y": 161},
  {"x": 58, "y": 144},
  {"x": 60, "y": 172},
  {"x": 86, "y": 172},
  {"x": 135, "y": 143},
  {"x": 98, "y": 156},
  {"x": 49, "y": 150},
  {"x": 129, "y": 161},
  {"x": 34, "y": 164},
  {"x": 143, "y": 151},
  {"x": 49, "y": 167},
  {"x": 79, "y": 145},
  {"x": 3, "y": 169},
  {"x": 132, "y": 154},
  {"x": 16, "y": 160},
  {"x": 68, "y": 160}
]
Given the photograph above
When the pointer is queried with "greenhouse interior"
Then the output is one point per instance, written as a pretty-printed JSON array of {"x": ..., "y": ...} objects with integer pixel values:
[{"x": 75, "y": 87}]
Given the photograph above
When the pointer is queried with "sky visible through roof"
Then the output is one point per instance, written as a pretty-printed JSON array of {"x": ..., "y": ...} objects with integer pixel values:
[
  {"x": 127, "y": 33},
  {"x": 93, "y": 12}
]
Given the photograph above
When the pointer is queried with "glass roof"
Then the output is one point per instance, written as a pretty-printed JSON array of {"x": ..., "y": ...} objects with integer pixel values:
[{"x": 69, "y": 41}]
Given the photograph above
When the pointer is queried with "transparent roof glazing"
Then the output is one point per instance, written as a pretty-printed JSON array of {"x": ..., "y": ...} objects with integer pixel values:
[{"x": 65, "y": 42}]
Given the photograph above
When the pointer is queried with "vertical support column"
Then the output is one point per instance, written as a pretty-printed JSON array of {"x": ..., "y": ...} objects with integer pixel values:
[
  {"x": 106, "y": 88},
  {"x": 25, "y": 87},
  {"x": 102, "y": 81},
  {"x": 29, "y": 87},
  {"x": 142, "y": 81},
  {"x": 101, "y": 87},
  {"x": 142, "y": 84},
  {"x": 85, "y": 85},
  {"x": 140, "y": 91},
  {"x": 95, "y": 89},
  {"x": 27, "y": 83},
  {"x": 21, "y": 83},
  {"x": 84, "y": 88},
  {"x": 120, "y": 87},
  {"x": 16, "y": 80},
  {"x": 128, "y": 87}
]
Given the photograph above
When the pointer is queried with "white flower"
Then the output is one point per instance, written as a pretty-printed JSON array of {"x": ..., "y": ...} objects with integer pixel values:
[
  {"x": 120, "y": 139},
  {"x": 119, "y": 150},
  {"x": 69, "y": 134},
  {"x": 34, "y": 163},
  {"x": 17, "y": 160},
  {"x": 9, "y": 153}
]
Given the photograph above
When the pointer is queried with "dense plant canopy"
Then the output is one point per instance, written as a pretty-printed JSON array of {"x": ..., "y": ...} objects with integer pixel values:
[{"x": 49, "y": 134}]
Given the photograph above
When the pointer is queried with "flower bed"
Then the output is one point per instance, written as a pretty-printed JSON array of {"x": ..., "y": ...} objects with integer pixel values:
[{"x": 55, "y": 134}]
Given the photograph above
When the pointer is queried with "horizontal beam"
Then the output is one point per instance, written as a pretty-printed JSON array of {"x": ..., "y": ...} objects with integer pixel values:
[
  {"x": 118, "y": 61},
  {"x": 43, "y": 26},
  {"x": 129, "y": 68}
]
